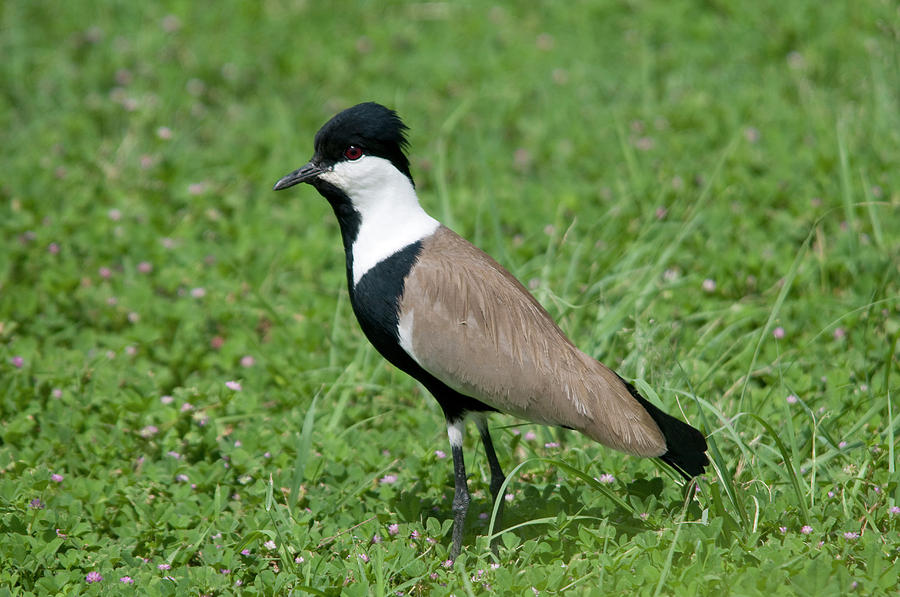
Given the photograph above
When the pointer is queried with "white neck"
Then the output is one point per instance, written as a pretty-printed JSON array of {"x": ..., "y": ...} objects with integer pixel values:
[{"x": 390, "y": 215}]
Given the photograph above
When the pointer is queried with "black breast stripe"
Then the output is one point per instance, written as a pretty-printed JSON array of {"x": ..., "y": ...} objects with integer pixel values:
[{"x": 376, "y": 303}]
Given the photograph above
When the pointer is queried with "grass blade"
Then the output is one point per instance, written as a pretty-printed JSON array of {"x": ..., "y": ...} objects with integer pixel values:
[
  {"x": 846, "y": 187},
  {"x": 304, "y": 441},
  {"x": 788, "y": 465},
  {"x": 773, "y": 314},
  {"x": 668, "y": 565}
]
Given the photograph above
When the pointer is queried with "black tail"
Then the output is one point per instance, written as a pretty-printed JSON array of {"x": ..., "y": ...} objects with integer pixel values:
[{"x": 686, "y": 445}]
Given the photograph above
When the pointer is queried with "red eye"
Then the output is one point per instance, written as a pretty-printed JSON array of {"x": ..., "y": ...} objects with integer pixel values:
[{"x": 353, "y": 153}]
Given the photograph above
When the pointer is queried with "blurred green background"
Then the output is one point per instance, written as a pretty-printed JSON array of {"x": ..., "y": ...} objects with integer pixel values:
[{"x": 705, "y": 194}]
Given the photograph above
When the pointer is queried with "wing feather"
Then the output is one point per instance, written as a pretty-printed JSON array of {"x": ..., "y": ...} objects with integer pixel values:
[{"x": 472, "y": 325}]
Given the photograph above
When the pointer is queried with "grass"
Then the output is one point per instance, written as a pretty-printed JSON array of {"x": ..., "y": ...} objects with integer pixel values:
[{"x": 704, "y": 194}]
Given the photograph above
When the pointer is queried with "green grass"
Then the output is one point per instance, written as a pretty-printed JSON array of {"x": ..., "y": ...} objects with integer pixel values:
[{"x": 613, "y": 155}]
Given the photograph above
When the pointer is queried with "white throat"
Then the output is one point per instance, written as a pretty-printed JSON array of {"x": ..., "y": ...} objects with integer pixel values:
[{"x": 390, "y": 215}]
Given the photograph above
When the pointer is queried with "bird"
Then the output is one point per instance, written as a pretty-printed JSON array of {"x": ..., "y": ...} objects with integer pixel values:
[{"x": 447, "y": 314}]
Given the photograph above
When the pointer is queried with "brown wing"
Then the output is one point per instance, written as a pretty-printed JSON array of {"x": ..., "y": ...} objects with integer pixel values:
[{"x": 471, "y": 324}]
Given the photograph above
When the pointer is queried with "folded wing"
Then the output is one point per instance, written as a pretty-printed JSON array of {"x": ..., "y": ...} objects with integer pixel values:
[{"x": 472, "y": 325}]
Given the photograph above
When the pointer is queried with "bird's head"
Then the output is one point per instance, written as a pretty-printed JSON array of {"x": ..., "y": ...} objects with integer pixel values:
[{"x": 358, "y": 153}]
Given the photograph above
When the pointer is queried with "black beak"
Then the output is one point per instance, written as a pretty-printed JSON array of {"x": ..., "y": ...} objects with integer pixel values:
[{"x": 303, "y": 174}]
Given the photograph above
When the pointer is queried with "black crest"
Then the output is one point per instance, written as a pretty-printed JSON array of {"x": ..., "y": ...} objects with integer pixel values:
[{"x": 375, "y": 129}]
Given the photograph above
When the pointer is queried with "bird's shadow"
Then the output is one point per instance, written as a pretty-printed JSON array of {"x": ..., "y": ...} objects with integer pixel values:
[{"x": 550, "y": 510}]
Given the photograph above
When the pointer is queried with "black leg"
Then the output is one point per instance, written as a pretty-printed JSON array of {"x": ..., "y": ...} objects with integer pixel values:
[
  {"x": 461, "y": 496},
  {"x": 497, "y": 476}
]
